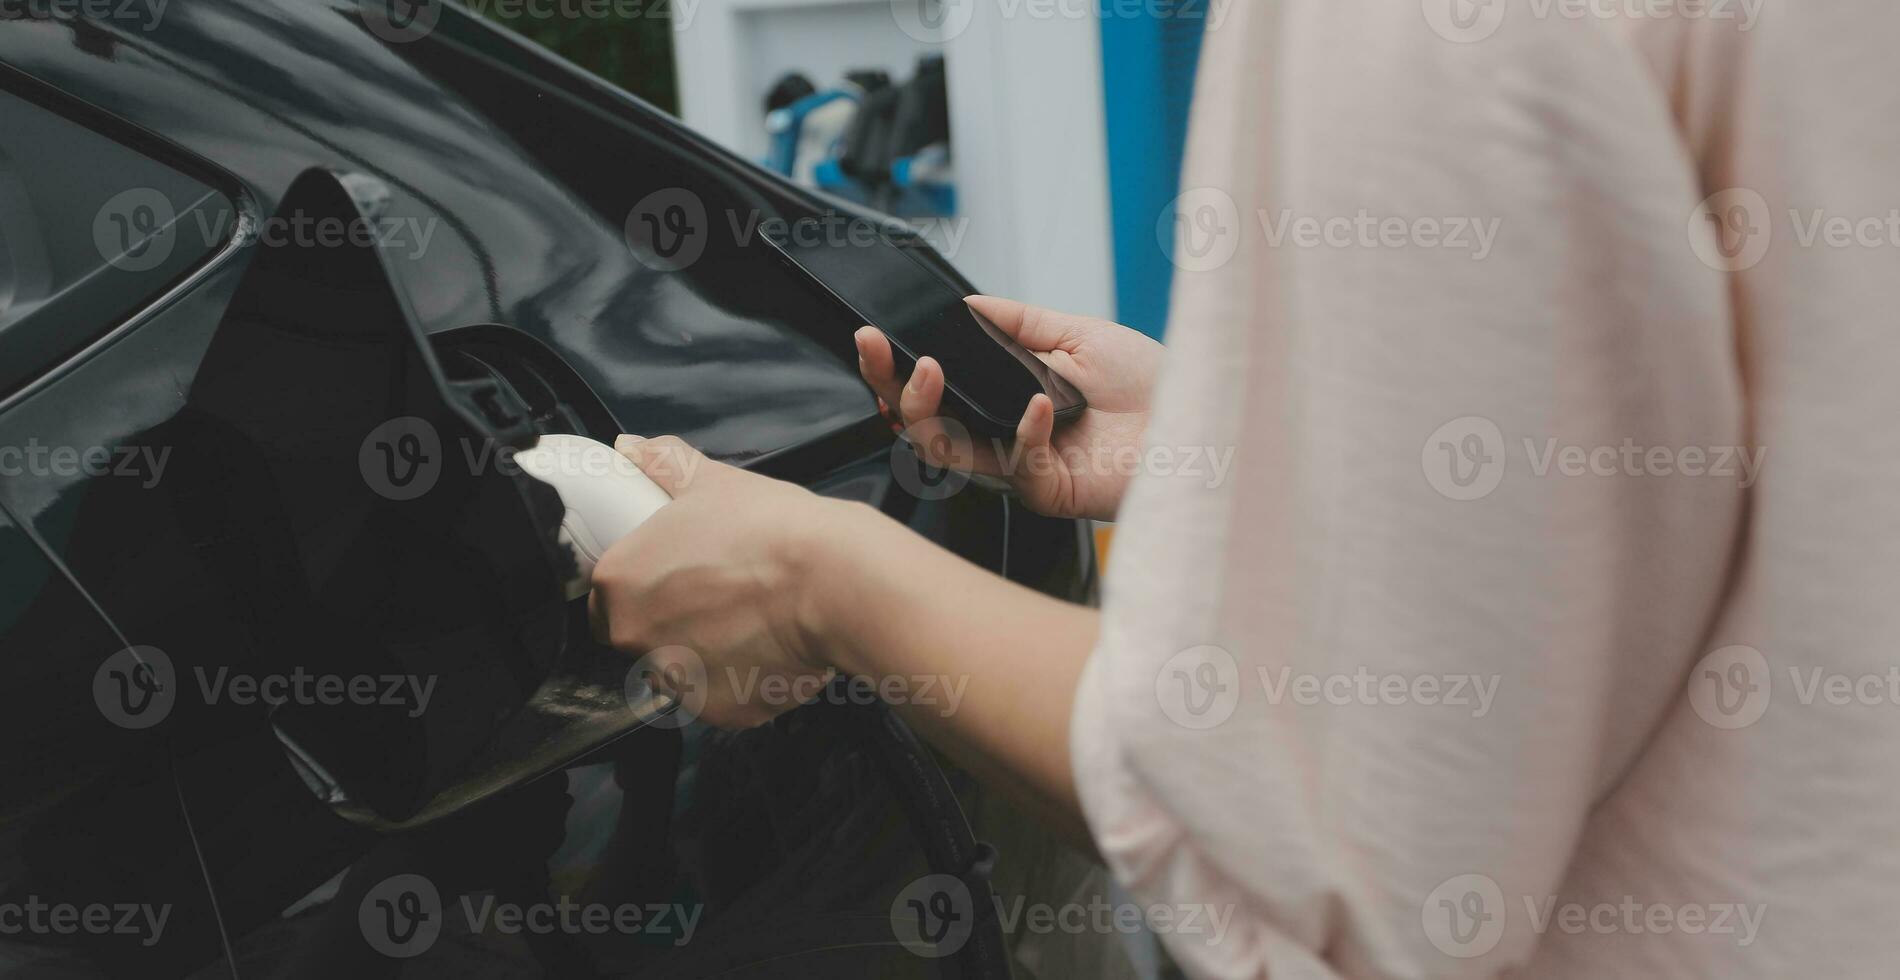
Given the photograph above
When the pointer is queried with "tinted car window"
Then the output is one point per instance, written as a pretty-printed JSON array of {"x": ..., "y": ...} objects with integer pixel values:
[{"x": 91, "y": 230}]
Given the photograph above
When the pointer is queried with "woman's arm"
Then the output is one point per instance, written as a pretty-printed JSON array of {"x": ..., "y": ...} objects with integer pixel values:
[
  {"x": 743, "y": 578},
  {"x": 884, "y": 603}
]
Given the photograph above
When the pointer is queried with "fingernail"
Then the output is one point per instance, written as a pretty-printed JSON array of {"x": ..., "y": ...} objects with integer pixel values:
[{"x": 626, "y": 441}]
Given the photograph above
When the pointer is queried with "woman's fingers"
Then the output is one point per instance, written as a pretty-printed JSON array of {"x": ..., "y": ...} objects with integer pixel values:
[
  {"x": 1040, "y": 330},
  {"x": 1035, "y": 432},
  {"x": 1007, "y": 314},
  {"x": 921, "y": 397},
  {"x": 1037, "y": 476},
  {"x": 877, "y": 367},
  {"x": 918, "y": 403}
]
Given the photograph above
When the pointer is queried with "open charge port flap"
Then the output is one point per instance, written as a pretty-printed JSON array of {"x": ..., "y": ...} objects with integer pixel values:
[{"x": 349, "y": 494}]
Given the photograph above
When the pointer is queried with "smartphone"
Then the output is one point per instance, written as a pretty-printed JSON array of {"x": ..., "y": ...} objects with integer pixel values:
[{"x": 988, "y": 377}]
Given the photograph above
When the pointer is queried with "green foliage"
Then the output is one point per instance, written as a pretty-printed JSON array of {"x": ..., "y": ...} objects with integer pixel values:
[{"x": 632, "y": 48}]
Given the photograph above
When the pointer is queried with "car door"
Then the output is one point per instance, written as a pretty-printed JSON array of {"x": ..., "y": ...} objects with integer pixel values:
[
  {"x": 332, "y": 504},
  {"x": 100, "y": 874}
]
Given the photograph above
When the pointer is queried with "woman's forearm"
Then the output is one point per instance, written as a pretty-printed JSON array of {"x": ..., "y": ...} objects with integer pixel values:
[{"x": 884, "y": 604}]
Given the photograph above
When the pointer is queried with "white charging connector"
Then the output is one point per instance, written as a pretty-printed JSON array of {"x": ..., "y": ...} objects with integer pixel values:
[{"x": 606, "y": 497}]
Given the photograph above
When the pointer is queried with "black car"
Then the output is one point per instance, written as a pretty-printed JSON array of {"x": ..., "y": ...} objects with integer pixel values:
[{"x": 288, "y": 683}]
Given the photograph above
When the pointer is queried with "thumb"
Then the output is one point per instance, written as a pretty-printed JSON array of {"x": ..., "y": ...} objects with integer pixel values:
[{"x": 667, "y": 460}]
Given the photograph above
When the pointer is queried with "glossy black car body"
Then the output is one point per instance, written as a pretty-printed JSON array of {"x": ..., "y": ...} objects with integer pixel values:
[{"x": 193, "y": 474}]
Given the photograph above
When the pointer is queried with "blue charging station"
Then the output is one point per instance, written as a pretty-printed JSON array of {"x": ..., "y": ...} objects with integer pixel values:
[{"x": 1148, "y": 65}]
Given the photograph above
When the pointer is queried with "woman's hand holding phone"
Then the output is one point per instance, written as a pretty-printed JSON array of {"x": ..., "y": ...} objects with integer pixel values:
[{"x": 1071, "y": 472}]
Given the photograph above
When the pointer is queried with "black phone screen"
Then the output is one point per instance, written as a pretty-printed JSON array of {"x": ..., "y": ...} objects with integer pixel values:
[{"x": 984, "y": 369}]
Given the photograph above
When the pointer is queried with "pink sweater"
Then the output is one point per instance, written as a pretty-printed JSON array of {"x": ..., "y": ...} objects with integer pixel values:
[{"x": 1547, "y": 623}]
